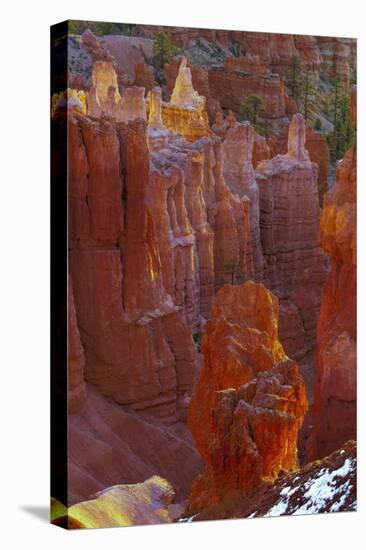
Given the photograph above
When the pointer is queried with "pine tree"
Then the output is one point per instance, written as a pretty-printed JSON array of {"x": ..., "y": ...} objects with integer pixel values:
[
  {"x": 310, "y": 95},
  {"x": 344, "y": 131},
  {"x": 164, "y": 51},
  {"x": 295, "y": 79},
  {"x": 250, "y": 108}
]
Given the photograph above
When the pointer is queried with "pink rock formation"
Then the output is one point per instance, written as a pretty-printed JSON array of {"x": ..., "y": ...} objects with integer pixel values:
[
  {"x": 239, "y": 176},
  {"x": 117, "y": 303},
  {"x": 335, "y": 392},
  {"x": 220, "y": 126},
  {"x": 261, "y": 150},
  {"x": 289, "y": 213},
  {"x": 250, "y": 398},
  {"x": 317, "y": 147}
]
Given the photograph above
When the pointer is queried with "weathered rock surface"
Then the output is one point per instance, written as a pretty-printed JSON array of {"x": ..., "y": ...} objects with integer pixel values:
[
  {"x": 295, "y": 267},
  {"x": 239, "y": 176},
  {"x": 119, "y": 456},
  {"x": 317, "y": 147},
  {"x": 335, "y": 392},
  {"x": 231, "y": 85},
  {"x": 125, "y": 315},
  {"x": 289, "y": 213},
  {"x": 336, "y": 57},
  {"x": 250, "y": 397}
]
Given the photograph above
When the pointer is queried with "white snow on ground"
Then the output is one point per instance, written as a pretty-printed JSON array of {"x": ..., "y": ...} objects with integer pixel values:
[
  {"x": 325, "y": 487},
  {"x": 188, "y": 519}
]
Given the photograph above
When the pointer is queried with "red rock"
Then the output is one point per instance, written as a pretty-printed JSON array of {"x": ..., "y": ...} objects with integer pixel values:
[
  {"x": 289, "y": 213},
  {"x": 335, "y": 392},
  {"x": 76, "y": 359},
  {"x": 249, "y": 396},
  {"x": 309, "y": 52},
  {"x": 239, "y": 176},
  {"x": 317, "y": 147},
  {"x": 231, "y": 87},
  {"x": 112, "y": 310},
  {"x": 261, "y": 151},
  {"x": 144, "y": 75}
]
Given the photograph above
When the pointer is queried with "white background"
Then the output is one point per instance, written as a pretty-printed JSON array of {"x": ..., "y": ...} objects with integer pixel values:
[{"x": 24, "y": 299}]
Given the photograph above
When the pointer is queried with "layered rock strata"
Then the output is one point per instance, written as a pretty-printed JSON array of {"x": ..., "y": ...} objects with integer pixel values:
[
  {"x": 295, "y": 265},
  {"x": 249, "y": 396},
  {"x": 289, "y": 213}
]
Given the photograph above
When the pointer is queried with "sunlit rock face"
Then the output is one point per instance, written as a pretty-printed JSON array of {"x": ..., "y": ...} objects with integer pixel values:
[
  {"x": 199, "y": 81},
  {"x": 144, "y": 503},
  {"x": 335, "y": 393},
  {"x": 69, "y": 99},
  {"x": 104, "y": 96},
  {"x": 183, "y": 94},
  {"x": 157, "y": 133},
  {"x": 185, "y": 113},
  {"x": 76, "y": 358},
  {"x": 250, "y": 397},
  {"x": 239, "y": 176}
]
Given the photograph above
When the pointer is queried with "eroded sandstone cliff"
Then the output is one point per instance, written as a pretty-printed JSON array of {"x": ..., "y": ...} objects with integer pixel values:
[{"x": 335, "y": 392}]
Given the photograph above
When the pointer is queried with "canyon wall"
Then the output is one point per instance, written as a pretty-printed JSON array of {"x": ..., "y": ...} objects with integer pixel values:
[
  {"x": 335, "y": 392},
  {"x": 295, "y": 265}
]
